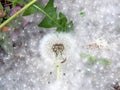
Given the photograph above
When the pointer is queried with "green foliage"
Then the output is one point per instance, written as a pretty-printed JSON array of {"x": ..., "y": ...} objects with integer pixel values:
[
  {"x": 51, "y": 18},
  {"x": 1, "y": 9},
  {"x": 30, "y": 11},
  {"x": 6, "y": 11},
  {"x": 103, "y": 61},
  {"x": 1, "y": 20},
  {"x": 1, "y": 5},
  {"x": 88, "y": 57},
  {"x": 5, "y": 42},
  {"x": 20, "y": 2},
  {"x": 64, "y": 23},
  {"x": 95, "y": 60},
  {"x": 50, "y": 10},
  {"x": 82, "y": 14}
]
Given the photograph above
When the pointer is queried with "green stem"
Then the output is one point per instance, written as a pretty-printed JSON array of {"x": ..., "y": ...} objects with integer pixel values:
[
  {"x": 58, "y": 70},
  {"x": 41, "y": 10},
  {"x": 17, "y": 13}
]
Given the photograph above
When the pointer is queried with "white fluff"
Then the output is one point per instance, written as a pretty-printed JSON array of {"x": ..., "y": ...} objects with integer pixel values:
[
  {"x": 56, "y": 38},
  {"x": 57, "y": 85}
]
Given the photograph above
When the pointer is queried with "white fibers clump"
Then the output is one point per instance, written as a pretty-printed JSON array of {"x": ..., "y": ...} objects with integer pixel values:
[{"x": 50, "y": 42}]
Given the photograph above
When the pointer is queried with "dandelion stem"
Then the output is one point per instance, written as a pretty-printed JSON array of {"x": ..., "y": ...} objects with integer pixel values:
[
  {"x": 58, "y": 70},
  {"x": 17, "y": 13}
]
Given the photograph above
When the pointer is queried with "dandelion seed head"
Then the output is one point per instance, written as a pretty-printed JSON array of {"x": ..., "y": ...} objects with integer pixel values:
[{"x": 57, "y": 43}]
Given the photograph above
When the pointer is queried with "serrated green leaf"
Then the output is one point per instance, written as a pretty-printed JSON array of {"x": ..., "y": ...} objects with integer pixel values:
[
  {"x": 51, "y": 11},
  {"x": 64, "y": 23},
  {"x": 47, "y": 23},
  {"x": 52, "y": 20}
]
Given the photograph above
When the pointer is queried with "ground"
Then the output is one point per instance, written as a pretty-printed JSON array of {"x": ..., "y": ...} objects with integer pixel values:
[{"x": 97, "y": 33}]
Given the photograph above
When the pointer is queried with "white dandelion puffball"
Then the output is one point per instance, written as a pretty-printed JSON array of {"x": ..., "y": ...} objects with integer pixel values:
[{"x": 53, "y": 44}]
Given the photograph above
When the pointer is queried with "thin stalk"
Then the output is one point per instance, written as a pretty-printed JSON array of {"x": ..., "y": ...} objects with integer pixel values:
[
  {"x": 41, "y": 10},
  {"x": 58, "y": 65},
  {"x": 17, "y": 13},
  {"x": 58, "y": 70}
]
